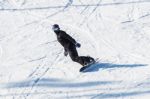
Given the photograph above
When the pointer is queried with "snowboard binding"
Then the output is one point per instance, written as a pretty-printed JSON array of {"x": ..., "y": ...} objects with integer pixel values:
[{"x": 89, "y": 60}]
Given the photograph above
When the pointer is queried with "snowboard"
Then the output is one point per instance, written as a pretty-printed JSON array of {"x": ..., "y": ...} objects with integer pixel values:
[{"x": 84, "y": 68}]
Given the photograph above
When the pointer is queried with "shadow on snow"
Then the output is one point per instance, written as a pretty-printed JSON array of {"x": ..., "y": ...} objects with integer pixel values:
[
  {"x": 97, "y": 66},
  {"x": 56, "y": 83},
  {"x": 113, "y": 95},
  {"x": 59, "y": 83}
]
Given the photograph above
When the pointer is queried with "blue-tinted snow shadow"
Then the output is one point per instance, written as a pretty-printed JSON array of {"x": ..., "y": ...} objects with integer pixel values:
[
  {"x": 57, "y": 83},
  {"x": 113, "y": 95},
  {"x": 98, "y": 66},
  {"x": 123, "y": 94}
]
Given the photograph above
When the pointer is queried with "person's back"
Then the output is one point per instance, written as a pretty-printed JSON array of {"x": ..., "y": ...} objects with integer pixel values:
[{"x": 64, "y": 39}]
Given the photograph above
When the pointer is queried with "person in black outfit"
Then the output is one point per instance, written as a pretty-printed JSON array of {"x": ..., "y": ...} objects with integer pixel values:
[{"x": 70, "y": 45}]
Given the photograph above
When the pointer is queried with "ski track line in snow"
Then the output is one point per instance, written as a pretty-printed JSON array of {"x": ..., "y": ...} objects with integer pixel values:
[
  {"x": 41, "y": 66},
  {"x": 72, "y": 5},
  {"x": 88, "y": 16},
  {"x": 38, "y": 74},
  {"x": 44, "y": 18},
  {"x": 94, "y": 92},
  {"x": 57, "y": 12}
]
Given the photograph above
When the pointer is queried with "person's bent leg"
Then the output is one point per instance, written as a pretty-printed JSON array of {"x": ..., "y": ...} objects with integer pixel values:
[
  {"x": 74, "y": 55},
  {"x": 83, "y": 60}
]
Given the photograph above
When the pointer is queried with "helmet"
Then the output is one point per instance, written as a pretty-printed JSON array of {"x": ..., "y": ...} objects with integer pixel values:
[{"x": 55, "y": 27}]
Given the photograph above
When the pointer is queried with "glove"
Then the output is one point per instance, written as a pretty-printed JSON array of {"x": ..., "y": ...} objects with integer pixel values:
[
  {"x": 65, "y": 53},
  {"x": 78, "y": 45}
]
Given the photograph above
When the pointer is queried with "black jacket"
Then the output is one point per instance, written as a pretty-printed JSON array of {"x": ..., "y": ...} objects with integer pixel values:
[{"x": 64, "y": 39}]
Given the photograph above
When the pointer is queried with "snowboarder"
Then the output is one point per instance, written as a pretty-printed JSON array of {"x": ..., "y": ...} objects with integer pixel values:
[{"x": 70, "y": 45}]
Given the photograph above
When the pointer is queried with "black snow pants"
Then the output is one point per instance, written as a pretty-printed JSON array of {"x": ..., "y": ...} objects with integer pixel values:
[{"x": 83, "y": 60}]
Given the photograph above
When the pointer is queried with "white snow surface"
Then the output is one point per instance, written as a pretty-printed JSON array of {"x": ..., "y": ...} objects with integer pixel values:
[{"x": 32, "y": 64}]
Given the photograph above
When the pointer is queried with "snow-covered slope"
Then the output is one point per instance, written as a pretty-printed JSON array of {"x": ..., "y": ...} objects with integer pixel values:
[{"x": 32, "y": 64}]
